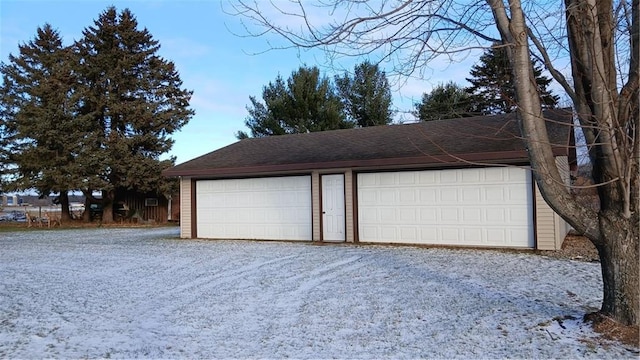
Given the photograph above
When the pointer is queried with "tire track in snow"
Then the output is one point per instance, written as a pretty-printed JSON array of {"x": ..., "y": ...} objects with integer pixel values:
[
  {"x": 222, "y": 277},
  {"x": 290, "y": 310},
  {"x": 148, "y": 314},
  {"x": 325, "y": 273},
  {"x": 313, "y": 279}
]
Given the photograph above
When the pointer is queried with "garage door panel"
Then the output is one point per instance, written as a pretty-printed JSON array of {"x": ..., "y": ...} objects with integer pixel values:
[
  {"x": 408, "y": 196},
  {"x": 495, "y": 216},
  {"x": 428, "y": 235},
  {"x": 473, "y": 235},
  {"x": 494, "y": 194},
  {"x": 518, "y": 215},
  {"x": 472, "y": 215},
  {"x": 516, "y": 195},
  {"x": 471, "y": 195},
  {"x": 427, "y": 196},
  {"x": 448, "y": 195},
  {"x": 388, "y": 179},
  {"x": 407, "y": 178},
  {"x": 448, "y": 177},
  {"x": 388, "y": 215},
  {"x": 472, "y": 177},
  {"x": 495, "y": 176},
  {"x": 475, "y": 207},
  {"x": 409, "y": 233},
  {"x": 450, "y": 235},
  {"x": 388, "y": 232},
  {"x": 449, "y": 215},
  {"x": 516, "y": 233},
  {"x": 408, "y": 215},
  {"x": 428, "y": 215},
  {"x": 276, "y": 208},
  {"x": 427, "y": 177}
]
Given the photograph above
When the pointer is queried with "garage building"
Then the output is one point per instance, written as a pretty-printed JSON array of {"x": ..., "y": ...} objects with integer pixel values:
[{"x": 456, "y": 182}]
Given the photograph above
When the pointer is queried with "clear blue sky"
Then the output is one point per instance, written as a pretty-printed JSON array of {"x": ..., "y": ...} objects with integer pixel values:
[{"x": 213, "y": 62}]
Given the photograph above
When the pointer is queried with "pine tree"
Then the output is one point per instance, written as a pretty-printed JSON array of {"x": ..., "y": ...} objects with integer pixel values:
[
  {"x": 492, "y": 84},
  {"x": 134, "y": 99},
  {"x": 445, "y": 101},
  {"x": 305, "y": 103},
  {"x": 42, "y": 135},
  {"x": 366, "y": 96}
]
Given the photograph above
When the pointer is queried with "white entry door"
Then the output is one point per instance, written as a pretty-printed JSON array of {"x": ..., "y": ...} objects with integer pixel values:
[{"x": 333, "y": 222}]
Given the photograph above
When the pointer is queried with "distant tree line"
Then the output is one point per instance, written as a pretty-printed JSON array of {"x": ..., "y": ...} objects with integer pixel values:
[
  {"x": 492, "y": 91},
  {"x": 92, "y": 116},
  {"x": 308, "y": 102}
]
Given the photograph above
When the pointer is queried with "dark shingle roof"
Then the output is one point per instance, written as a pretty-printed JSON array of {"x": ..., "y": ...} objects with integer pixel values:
[{"x": 452, "y": 142}]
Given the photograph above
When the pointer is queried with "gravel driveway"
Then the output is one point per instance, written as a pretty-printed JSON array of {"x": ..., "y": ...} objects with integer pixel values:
[{"x": 144, "y": 293}]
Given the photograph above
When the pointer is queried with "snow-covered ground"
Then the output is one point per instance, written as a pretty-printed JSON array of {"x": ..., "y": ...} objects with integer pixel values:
[{"x": 144, "y": 293}]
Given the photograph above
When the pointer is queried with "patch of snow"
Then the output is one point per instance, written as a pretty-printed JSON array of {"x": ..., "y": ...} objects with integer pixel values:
[{"x": 144, "y": 293}]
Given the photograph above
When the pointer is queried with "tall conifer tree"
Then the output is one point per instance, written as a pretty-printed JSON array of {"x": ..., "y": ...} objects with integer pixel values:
[
  {"x": 445, "y": 101},
  {"x": 305, "y": 103},
  {"x": 134, "y": 99},
  {"x": 43, "y": 137},
  {"x": 366, "y": 96},
  {"x": 493, "y": 88}
]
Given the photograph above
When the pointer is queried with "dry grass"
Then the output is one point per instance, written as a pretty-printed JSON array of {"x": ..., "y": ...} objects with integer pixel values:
[
  {"x": 78, "y": 224},
  {"x": 575, "y": 247},
  {"x": 612, "y": 330}
]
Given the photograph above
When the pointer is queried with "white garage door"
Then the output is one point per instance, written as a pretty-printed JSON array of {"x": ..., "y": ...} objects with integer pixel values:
[
  {"x": 468, "y": 207},
  {"x": 276, "y": 208}
]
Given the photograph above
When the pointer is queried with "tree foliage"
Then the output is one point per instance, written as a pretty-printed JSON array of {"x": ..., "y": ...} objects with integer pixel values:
[
  {"x": 366, "y": 96},
  {"x": 307, "y": 102},
  {"x": 134, "y": 100},
  {"x": 93, "y": 116},
  {"x": 493, "y": 88},
  {"x": 599, "y": 39},
  {"x": 492, "y": 91},
  {"x": 445, "y": 101},
  {"x": 45, "y": 137}
]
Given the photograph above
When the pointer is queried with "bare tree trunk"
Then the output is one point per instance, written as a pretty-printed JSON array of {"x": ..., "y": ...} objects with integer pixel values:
[
  {"x": 619, "y": 261},
  {"x": 64, "y": 203},
  {"x": 86, "y": 215},
  {"x": 107, "y": 206},
  {"x": 614, "y": 229}
]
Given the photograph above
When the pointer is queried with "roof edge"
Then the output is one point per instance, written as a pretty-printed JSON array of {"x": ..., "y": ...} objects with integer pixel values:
[{"x": 483, "y": 159}]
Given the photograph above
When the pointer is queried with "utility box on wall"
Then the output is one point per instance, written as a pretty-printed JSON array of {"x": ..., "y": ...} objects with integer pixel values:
[{"x": 151, "y": 202}]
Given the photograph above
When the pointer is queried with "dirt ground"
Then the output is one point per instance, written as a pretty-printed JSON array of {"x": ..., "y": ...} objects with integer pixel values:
[{"x": 575, "y": 247}]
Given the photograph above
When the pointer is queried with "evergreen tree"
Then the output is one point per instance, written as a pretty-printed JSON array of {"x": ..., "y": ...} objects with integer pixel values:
[
  {"x": 305, "y": 103},
  {"x": 445, "y": 101},
  {"x": 134, "y": 100},
  {"x": 493, "y": 88},
  {"x": 366, "y": 96},
  {"x": 6, "y": 140},
  {"x": 42, "y": 136}
]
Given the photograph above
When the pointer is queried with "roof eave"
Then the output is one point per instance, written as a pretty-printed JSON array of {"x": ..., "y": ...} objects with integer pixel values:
[{"x": 426, "y": 161}]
